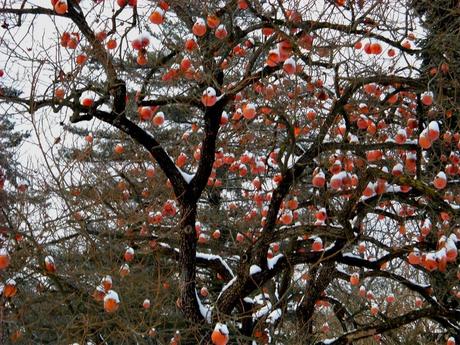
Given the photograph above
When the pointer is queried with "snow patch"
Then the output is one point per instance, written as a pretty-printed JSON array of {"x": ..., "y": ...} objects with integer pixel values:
[
  {"x": 273, "y": 261},
  {"x": 248, "y": 300},
  {"x": 351, "y": 255},
  {"x": 226, "y": 286},
  {"x": 254, "y": 269},
  {"x": 187, "y": 177},
  {"x": 262, "y": 311},
  {"x": 274, "y": 315},
  {"x": 204, "y": 309},
  {"x": 215, "y": 257},
  {"x": 112, "y": 295}
]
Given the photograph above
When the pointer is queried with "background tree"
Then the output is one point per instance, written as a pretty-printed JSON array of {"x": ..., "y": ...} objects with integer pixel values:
[
  {"x": 214, "y": 171},
  {"x": 12, "y": 180}
]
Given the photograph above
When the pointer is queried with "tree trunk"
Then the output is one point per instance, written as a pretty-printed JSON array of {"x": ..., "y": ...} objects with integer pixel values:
[{"x": 187, "y": 262}]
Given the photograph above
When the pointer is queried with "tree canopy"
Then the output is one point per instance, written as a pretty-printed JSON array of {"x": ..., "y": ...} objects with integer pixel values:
[{"x": 231, "y": 171}]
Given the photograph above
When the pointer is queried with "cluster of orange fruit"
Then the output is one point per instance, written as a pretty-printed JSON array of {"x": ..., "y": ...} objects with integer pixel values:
[{"x": 104, "y": 293}]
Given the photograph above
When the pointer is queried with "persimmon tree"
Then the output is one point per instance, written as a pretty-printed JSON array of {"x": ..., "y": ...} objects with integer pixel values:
[{"x": 235, "y": 171}]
